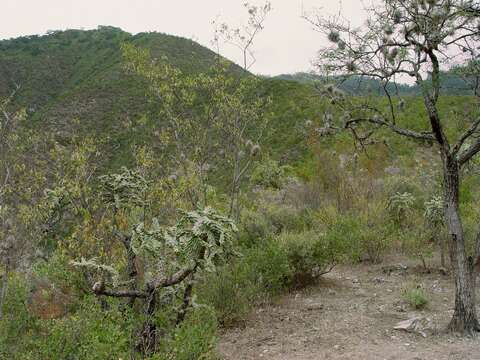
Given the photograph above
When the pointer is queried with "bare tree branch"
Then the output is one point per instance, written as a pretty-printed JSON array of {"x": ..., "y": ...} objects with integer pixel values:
[
  {"x": 120, "y": 293},
  {"x": 465, "y": 136},
  {"x": 469, "y": 153}
]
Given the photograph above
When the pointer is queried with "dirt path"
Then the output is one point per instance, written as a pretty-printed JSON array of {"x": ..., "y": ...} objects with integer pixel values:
[{"x": 350, "y": 314}]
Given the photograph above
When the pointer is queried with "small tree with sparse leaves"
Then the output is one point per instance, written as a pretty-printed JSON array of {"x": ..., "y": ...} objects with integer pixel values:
[
  {"x": 212, "y": 123},
  {"x": 416, "y": 39}
]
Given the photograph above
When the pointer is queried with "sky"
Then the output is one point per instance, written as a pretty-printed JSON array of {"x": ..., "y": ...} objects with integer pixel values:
[{"x": 287, "y": 45}]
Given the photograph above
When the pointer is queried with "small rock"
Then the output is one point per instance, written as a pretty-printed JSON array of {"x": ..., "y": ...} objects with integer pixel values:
[
  {"x": 378, "y": 280},
  {"x": 392, "y": 170},
  {"x": 408, "y": 325},
  {"x": 361, "y": 292},
  {"x": 315, "y": 306},
  {"x": 394, "y": 268},
  {"x": 332, "y": 292},
  {"x": 418, "y": 325}
]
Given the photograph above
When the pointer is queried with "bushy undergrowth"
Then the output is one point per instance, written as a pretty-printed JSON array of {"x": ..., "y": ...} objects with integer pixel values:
[
  {"x": 282, "y": 246},
  {"x": 416, "y": 296},
  {"x": 93, "y": 329},
  {"x": 194, "y": 339},
  {"x": 291, "y": 232},
  {"x": 87, "y": 333},
  {"x": 263, "y": 271}
]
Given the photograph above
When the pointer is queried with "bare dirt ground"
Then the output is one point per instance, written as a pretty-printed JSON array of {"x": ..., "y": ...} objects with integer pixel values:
[{"x": 350, "y": 314}]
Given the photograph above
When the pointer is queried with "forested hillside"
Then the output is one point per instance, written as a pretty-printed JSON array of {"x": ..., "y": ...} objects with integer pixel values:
[
  {"x": 158, "y": 201},
  {"x": 74, "y": 82}
]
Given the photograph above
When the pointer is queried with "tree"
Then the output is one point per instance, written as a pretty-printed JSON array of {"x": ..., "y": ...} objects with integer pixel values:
[
  {"x": 211, "y": 123},
  {"x": 171, "y": 257},
  {"x": 413, "y": 38}
]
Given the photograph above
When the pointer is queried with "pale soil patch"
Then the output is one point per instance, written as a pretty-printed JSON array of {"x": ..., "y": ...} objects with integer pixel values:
[{"x": 350, "y": 314}]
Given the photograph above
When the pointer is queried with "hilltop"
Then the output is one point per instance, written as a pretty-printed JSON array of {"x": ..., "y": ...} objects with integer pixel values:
[{"x": 73, "y": 83}]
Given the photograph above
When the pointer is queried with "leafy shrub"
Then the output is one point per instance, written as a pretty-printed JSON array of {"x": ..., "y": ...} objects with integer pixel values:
[
  {"x": 375, "y": 233},
  {"x": 284, "y": 218},
  {"x": 400, "y": 206},
  {"x": 416, "y": 243},
  {"x": 91, "y": 333},
  {"x": 270, "y": 219},
  {"x": 269, "y": 174},
  {"x": 254, "y": 227},
  {"x": 195, "y": 338},
  {"x": 341, "y": 234},
  {"x": 263, "y": 271},
  {"x": 434, "y": 212},
  {"x": 374, "y": 242},
  {"x": 352, "y": 237},
  {"x": 307, "y": 255},
  {"x": 16, "y": 319},
  {"x": 268, "y": 267},
  {"x": 415, "y": 296},
  {"x": 312, "y": 253},
  {"x": 230, "y": 293}
]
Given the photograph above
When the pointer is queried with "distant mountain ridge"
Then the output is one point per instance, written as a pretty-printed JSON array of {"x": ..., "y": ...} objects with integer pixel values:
[{"x": 452, "y": 84}]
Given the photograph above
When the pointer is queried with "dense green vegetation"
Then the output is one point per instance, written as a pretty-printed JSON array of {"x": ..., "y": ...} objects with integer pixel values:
[
  {"x": 453, "y": 83},
  {"x": 104, "y": 166}
]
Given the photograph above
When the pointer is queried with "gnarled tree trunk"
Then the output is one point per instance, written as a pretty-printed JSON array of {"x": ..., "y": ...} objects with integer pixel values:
[{"x": 464, "y": 319}]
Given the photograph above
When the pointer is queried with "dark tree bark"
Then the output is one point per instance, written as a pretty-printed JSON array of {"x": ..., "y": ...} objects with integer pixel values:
[
  {"x": 443, "y": 251},
  {"x": 464, "y": 319},
  {"x": 187, "y": 298},
  {"x": 148, "y": 339}
]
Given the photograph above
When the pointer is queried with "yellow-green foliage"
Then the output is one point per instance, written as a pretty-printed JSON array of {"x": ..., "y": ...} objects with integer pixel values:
[{"x": 416, "y": 296}]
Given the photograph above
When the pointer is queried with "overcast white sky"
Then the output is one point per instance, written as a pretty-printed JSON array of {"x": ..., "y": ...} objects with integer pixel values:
[{"x": 287, "y": 44}]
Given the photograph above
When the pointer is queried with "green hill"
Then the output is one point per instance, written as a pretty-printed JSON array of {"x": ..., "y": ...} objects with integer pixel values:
[
  {"x": 73, "y": 82},
  {"x": 74, "y": 86},
  {"x": 51, "y": 66}
]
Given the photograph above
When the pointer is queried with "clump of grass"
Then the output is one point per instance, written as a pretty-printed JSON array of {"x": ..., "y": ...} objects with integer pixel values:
[{"x": 415, "y": 296}]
